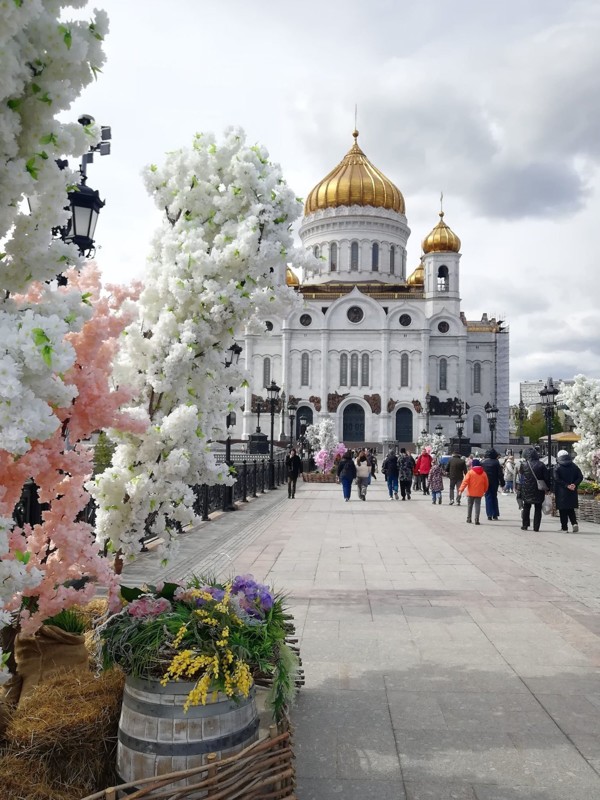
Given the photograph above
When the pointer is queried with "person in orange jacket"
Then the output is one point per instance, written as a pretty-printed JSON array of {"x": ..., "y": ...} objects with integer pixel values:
[{"x": 476, "y": 483}]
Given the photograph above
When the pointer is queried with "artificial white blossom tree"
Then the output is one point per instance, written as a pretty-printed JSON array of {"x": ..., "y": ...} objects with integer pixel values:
[
  {"x": 217, "y": 264},
  {"x": 45, "y": 62},
  {"x": 437, "y": 443},
  {"x": 582, "y": 400}
]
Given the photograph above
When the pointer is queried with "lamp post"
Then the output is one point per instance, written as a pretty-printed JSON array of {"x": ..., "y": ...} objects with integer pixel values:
[
  {"x": 492, "y": 416},
  {"x": 427, "y": 406},
  {"x": 292, "y": 408},
  {"x": 521, "y": 416},
  {"x": 232, "y": 356},
  {"x": 460, "y": 426},
  {"x": 303, "y": 423},
  {"x": 258, "y": 410},
  {"x": 273, "y": 395},
  {"x": 548, "y": 395}
]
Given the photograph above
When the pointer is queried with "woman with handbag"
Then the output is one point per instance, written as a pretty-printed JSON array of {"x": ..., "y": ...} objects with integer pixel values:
[
  {"x": 534, "y": 483},
  {"x": 567, "y": 477}
]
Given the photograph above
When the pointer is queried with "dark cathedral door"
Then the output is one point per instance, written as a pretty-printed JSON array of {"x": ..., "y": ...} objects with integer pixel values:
[
  {"x": 354, "y": 423},
  {"x": 404, "y": 425}
]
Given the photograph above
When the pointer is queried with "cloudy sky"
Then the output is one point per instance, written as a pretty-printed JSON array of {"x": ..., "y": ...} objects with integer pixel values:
[{"x": 496, "y": 104}]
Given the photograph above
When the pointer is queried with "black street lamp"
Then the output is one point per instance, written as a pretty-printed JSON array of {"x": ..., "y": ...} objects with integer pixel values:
[
  {"x": 427, "y": 407},
  {"x": 258, "y": 410},
  {"x": 232, "y": 356},
  {"x": 292, "y": 408},
  {"x": 548, "y": 395},
  {"x": 460, "y": 426},
  {"x": 521, "y": 416},
  {"x": 492, "y": 416},
  {"x": 303, "y": 423},
  {"x": 273, "y": 395}
]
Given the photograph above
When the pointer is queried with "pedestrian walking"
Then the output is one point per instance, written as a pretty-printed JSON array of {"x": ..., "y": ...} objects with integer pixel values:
[
  {"x": 346, "y": 473},
  {"x": 493, "y": 470},
  {"x": 509, "y": 474},
  {"x": 423, "y": 466},
  {"x": 475, "y": 483},
  {"x": 390, "y": 469},
  {"x": 435, "y": 481},
  {"x": 363, "y": 475},
  {"x": 533, "y": 485},
  {"x": 406, "y": 468},
  {"x": 373, "y": 462},
  {"x": 293, "y": 468},
  {"x": 567, "y": 477},
  {"x": 457, "y": 469}
]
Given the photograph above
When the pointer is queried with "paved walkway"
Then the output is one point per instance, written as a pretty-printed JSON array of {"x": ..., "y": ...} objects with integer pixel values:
[{"x": 442, "y": 660}]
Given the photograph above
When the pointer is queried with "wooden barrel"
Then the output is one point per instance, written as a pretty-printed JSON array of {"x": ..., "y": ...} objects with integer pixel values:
[{"x": 156, "y": 736}]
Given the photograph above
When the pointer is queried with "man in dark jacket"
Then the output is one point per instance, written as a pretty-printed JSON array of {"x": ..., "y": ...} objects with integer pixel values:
[
  {"x": 493, "y": 469},
  {"x": 293, "y": 468},
  {"x": 567, "y": 477},
  {"x": 390, "y": 469},
  {"x": 531, "y": 471},
  {"x": 457, "y": 469}
]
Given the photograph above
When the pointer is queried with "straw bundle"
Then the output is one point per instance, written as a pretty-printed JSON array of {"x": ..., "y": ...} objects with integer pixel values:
[
  {"x": 20, "y": 780},
  {"x": 69, "y": 726}
]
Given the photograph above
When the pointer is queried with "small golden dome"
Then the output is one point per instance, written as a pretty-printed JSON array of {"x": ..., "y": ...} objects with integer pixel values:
[
  {"x": 355, "y": 182},
  {"x": 417, "y": 278},
  {"x": 441, "y": 239},
  {"x": 291, "y": 278}
]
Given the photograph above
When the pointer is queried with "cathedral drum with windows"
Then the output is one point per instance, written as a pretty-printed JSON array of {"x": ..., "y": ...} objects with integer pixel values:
[{"x": 385, "y": 355}]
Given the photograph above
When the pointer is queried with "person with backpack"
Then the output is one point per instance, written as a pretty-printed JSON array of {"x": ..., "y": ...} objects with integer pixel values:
[
  {"x": 363, "y": 474},
  {"x": 390, "y": 470},
  {"x": 406, "y": 468},
  {"x": 493, "y": 469}
]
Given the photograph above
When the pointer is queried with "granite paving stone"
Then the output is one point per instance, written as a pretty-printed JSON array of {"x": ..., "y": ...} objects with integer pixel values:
[{"x": 442, "y": 661}]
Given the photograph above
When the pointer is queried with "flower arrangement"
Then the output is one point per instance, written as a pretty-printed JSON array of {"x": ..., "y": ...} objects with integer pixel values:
[
  {"x": 327, "y": 459},
  {"x": 220, "y": 636}
]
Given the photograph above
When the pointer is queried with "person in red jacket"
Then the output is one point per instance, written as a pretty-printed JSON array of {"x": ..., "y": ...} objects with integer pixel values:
[
  {"x": 423, "y": 468},
  {"x": 476, "y": 484}
]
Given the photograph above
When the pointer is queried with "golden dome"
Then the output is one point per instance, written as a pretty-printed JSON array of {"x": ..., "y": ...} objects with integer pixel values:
[
  {"x": 291, "y": 278},
  {"x": 417, "y": 278},
  {"x": 441, "y": 239},
  {"x": 355, "y": 182}
]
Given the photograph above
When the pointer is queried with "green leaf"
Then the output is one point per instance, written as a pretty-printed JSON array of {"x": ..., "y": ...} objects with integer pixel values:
[
  {"x": 153, "y": 168},
  {"x": 39, "y": 337},
  {"x": 36, "y": 88},
  {"x": 31, "y": 168},
  {"x": 86, "y": 298},
  {"x": 94, "y": 32},
  {"x": 22, "y": 557},
  {"x": 45, "y": 98},
  {"x": 49, "y": 138},
  {"x": 67, "y": 36},
  {"x": 14, "y": 104},
  {"x": 95, "y": 71},
  {"x": 47, "y": 354},
  {"x": 130, "y": 593},
  {"x": 70, "y": 318},
  {"x": 43, "y": 155},
  {"x": 18, "y": 3}
]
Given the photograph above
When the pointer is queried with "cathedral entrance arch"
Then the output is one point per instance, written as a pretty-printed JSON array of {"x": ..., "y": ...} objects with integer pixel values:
[
  {"x": 354, "y": 423},
  {"x": 404, "y": 425}
]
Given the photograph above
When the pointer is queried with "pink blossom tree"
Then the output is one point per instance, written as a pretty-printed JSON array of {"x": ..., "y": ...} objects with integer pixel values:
[{"x": 62, "y": 549}]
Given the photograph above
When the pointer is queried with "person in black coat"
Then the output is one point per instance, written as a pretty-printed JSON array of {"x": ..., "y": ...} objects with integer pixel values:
[
  {"x": 530, "y": 471},
  {"x": 457, "y": 469},
  {"x": 346, "y": 472},
  {"x": 293, "y": 468},
  {"x": 567, "y": 477},
  {"x": 493, "y": 469}
]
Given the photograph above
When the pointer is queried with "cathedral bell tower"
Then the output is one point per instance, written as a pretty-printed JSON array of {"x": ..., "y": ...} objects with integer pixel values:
[{"x": 441, "y": 254}]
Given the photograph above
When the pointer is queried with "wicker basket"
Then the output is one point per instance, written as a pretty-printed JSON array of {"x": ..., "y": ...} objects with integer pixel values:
[
  {"x": 589, "y": 508},
  {"x": 318, "y": 477}
]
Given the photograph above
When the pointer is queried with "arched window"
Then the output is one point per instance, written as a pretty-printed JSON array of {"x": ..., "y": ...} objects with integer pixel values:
[
  {"x": 316, "y": 251},
  {"x": 375, "y": 257},
  {"x": 404, "y": 369},
  {"x": 343, "y": 370},
  {"x": 477, "y": 423},
  {"x": 477, "y": 378},
  {"x": 443, "y": 281},
  {"x": 333, "y": 257},
  {"x": 354, "y": 256},
  {"x": 443, "y": 382},
  {"x": 267, "y": 372},
  {"x": 364, "y": 370},
  {"x": 392, "y": 260},
  {"x": 354, "y": 369},
  {"x": 304, "y": 370}
]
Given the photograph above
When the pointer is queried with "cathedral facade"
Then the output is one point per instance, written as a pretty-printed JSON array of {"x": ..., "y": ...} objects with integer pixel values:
[{"x": 384, "y": 353}]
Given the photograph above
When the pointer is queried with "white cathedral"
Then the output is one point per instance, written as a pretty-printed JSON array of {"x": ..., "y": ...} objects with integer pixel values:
[{"x": 383, "y": 354}]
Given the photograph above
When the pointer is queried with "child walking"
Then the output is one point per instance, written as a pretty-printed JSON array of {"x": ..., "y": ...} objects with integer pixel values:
[
  {"x": 476, "y": 484},
  {"x": 435, "y": 481}
]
